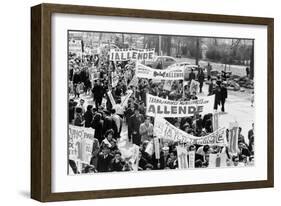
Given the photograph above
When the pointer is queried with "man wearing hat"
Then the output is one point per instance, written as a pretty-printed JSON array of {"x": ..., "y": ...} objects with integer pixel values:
[
  {"x": 109, "y": 123},
  {"x": 134, "y": 126},
  {"x": 104, "y": 159},
  {"x": 98, "y": 92},
  {"x": 201, "y": 78}
]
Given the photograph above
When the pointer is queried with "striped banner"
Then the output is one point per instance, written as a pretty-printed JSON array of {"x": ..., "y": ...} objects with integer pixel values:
[
  {"x": 191, "y": 159},
  {"x": 217, "y": 160},
  {"x": 182, "y": 157},
  {"x": 215, "y": 121},
  {"x": 233, "y": 137},
  {"x": 112, "y": 101}
]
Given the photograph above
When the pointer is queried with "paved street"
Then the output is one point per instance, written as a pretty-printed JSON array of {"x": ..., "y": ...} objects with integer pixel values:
[{"x": 237, "y": 108}]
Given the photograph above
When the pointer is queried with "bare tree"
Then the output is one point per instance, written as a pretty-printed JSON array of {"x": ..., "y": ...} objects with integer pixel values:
[
  {"x": 252, "y": 62},
  {"x": 197, "y": 50}
]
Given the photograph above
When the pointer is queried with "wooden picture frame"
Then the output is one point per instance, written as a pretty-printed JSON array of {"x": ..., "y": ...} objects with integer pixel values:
[{"x": 41, "y": 97}]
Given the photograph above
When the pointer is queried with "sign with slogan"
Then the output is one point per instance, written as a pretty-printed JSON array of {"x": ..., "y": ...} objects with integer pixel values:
[
  {"x": 172, "y": 73},
  {"x": 169, "y": 108},
  {"x": 191, "y": 159},
  {"x": 126, "y": 98},
  {"x": 131, "y": 54},
  {"x": 194, "y": 87},
  {"x": 168, "y": 85},
  {"x": 233, "y": 137},
  {"x": 114, "y": 79},
  {"x": 182, "y": 157},
  {"x": 75, "y": 46},
  {"x": 130, "y": 152},
  {"x": 217, "y": 160},
  {"x": 215, "y": 120},
  {"x": 112, "y": 101},
  {"x": 165, "y": 130},
  {"x": 80, "y": 143}
]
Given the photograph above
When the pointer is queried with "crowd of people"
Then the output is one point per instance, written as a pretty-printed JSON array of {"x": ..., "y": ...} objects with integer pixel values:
[{"x": 110, "y": 121}]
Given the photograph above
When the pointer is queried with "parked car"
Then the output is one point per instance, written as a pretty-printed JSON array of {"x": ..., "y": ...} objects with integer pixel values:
[
  {"x": 161, "y": 62},
  {"x": 187, "y": 69}
]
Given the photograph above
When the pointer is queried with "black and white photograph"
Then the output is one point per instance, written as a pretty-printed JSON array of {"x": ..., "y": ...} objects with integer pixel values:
[{"x": 141, "y": 102}]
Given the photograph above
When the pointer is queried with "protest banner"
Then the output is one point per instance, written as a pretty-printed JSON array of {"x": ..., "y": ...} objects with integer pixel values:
[
  {"x": 233, "y": 137},
  {"x": 194, "y": 87},
  {"x": 216, "y": 121},
  {"x": 80, "y": 143},
  {"x": 125, "y": 99},
  {"x": 75, "y": 46},
  {"x": 169, "y": 108},
  {"x": 131, "y": 54},
  {"x": 168, "y": 85},
  {"x": 182, "y": 157},
  {"x": 173, "y": 73},
  {"x": 191, "y": 159},
  {"x": 217, "y": 160},
  {"x": 165, "y": 130},
  {"x": 114, "y": 79},
  {"x": 113, "y": 103}
]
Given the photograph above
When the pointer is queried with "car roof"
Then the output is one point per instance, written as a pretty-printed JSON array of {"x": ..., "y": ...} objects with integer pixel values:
[
  {"x": 186, "y": 64},
  {"x": 166, "y": 57}
]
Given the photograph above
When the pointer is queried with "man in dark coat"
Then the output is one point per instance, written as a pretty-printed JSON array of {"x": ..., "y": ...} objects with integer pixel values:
[
  {"x": 98, "y": 92},
  {"x": 191, "y": 75},
  {"x": 104, "y": 160},
  {"x": 223, "y": 95},
  {"x": 134, "y": 126},
  {"x": 97, "y": 124},
  {"x": 83, "y": 75},
  {"x": 201, "y": 78},
  {"x": 117, "y": 163},
  {"x": 71, "y": 110},
  {"x": 217, "y": 93},
  {"x": 109, "y": 123},
  {"x": 88, "y": 116},
  {"x": 76, "y": 81}
]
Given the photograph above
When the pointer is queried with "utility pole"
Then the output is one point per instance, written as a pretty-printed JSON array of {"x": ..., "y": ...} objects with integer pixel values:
[
  {"x": 252, "y": 61},
  {"x": 160, "y": 49},
  {"x": 197, "y": 51}
]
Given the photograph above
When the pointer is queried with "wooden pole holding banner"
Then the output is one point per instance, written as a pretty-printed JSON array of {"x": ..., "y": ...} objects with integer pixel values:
[
  {"x": 159, "y": 45},
  {"x": 216, "y": 122},
  {"x": 156, "y": 148},
  {"x": 160, "y": 51}
]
